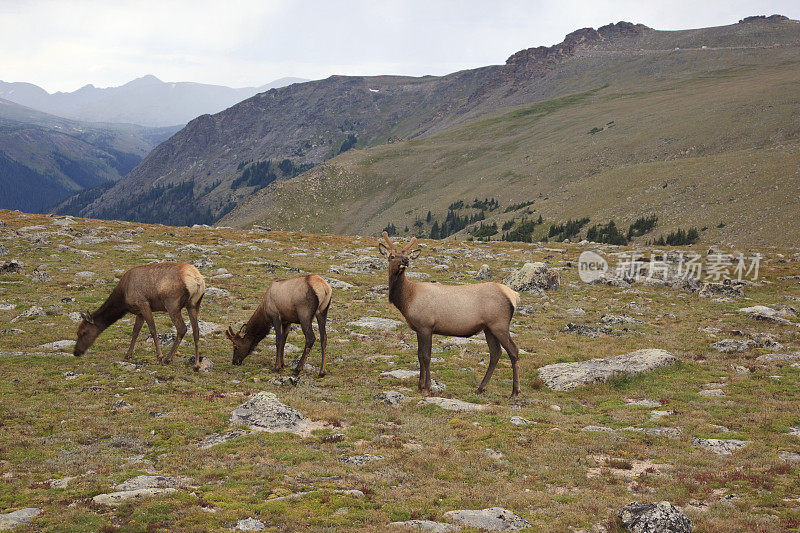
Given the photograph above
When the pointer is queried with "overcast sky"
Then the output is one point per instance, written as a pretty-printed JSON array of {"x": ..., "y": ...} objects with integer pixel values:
[{"x": 62, "y": 45}]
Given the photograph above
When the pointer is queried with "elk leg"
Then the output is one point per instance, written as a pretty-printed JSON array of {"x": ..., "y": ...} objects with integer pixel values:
[
  {"x": 513, "y": 353},
  {"x": 137, "y": 327},
  {"x": 308, "y": 331},
  {"x": 192, "y": 312},
  {"x": 494, "y": 357},
  {"x": 180, "y": 329},
  {"x": 323, "y": 339},
  {"x": 280, "y": 341},
  {"x": 424, "y": 341},
  {"x": 151, "y": 325}
]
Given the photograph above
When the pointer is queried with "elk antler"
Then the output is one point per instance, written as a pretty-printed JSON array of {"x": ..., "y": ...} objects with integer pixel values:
[
  {"x": 87, "y": 317},
  {"x": 229, "y": 333},
  {"x": 410, "y": 244},
  {"x": 388, "y": 241}
]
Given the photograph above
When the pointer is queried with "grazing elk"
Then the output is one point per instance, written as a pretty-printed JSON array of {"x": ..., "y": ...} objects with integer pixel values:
[
  {"x": 142, "y": 290},
  {"x": 289, "y": 301},
  {"x": 457, "y": 310}
]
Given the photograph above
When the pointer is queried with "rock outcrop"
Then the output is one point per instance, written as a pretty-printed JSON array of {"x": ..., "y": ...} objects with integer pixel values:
[{"x": 568, "y": 376}]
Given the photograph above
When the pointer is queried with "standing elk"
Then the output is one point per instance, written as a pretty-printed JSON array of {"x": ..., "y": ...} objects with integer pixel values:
[
  {"x": 289, "y": 301},
  {"x": 142, "y": 290},
  {"x": 457, "y": 310}
]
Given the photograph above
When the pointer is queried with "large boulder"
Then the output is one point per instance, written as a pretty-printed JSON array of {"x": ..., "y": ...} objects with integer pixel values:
[
  {"x": 568, "y": 376},
  {"x": 374, "y": 322},
  {"x": 492, "y": 519},
  {"x": 265, "y": 412},
  {"x": 533, "y": 277},
  {"x": 661, "y": 517},
  {"x": 113, "y": 499}
]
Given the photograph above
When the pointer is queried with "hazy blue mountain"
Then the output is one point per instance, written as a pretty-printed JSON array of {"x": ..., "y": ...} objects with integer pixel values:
[{"x": 147, "y": 100}]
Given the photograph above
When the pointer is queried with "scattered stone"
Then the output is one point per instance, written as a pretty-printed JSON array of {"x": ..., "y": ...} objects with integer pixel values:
[
  {"x": 492, "y": 519},
  {"x": 58, "y": 345},
  {"x": 249, "y": 524},
  {"x": 495, "y": 455},
  {"x": 75, "y": 316},
  {"x": 484, "y": 273},
  {"x": 620, "y": 319},
  {"x": 428, "y": 526},
  {"x": 334, "y": 437},
  {"x": 725, "y": 289},
  {"x": 265, "y": 412},
  {"x": 284, "y": 380},
  {"x": 120, "y": 404},
  {"x": 525, "y": 310},
  {"x": 33, "y": 311},
  {"x": 604, "y": 429},
  {"x": 720, "y": 446},
  {"x": 722, "y": 429},
  {"x": 3, "y": 250},
  {"x": 8, "y": 307},
  {"x": 373, "y": 322},
  {"x": 206, "y": 364},
  {"x": 661, "y": 517},
  {"x": 533, "y": 277},
  {"x": 219, "y": 438},
  {"x": 655, "y": 414},
  {"x": 18, "y": 518},
  {"x": 556, "y": 408},
  {"x": 61, "y": 483},
  {"x": 113, "y": 499},
  {"x": 734, "y": 345},
  {"x": 204, "y": 262},
  {"x": 70, "y": 375},
  {"x": 643, "y": 403},
  {"x": 791, "y": 457},
  {"x": 153, "y": 482},
  {"x": 567, "y": 376},
  {"x": 519, "y": 421},
  {"x": 672, "y": 433},
  {"x": 40, "y": 276},
  {"x": 10, "y": 267},
  {"x": 778, "y": 358},
  {"x": 576, "y": 311},
  {"x": 358, "y": 460},
  {"x": 400, "y": 374},
  {"x": 389, "y": 397},
  {"x": 453, "y": 405},
  {"x": 586, "y": 330},
  {"x": 85, "y": 274},
  {"x": 711, "y": 393},
  {"x": 214, "y": 291},
  {"x": 338, "y": 284}
]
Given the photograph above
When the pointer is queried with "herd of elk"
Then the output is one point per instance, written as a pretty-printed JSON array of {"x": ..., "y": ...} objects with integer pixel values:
[{"x": 429, "y": 308}]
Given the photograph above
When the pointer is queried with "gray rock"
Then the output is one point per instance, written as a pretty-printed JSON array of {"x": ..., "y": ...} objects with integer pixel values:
[
  {"x": 361, "y": 265},
  {"x": 603, "y": 429},
  {"x": 492, "y": 519},
  {"x": 533, "y": 276},
  {"x": 454, "y": 405},
  {"x": 576, "y": 311},
  {"x": 249, "y": 524},
  {"x": 418, "y": 275},
  {"x": 400, "y": 374},
  {"x": 519, "y": 421},
  {"x": 621, "y": 319},
  {"x": 725, "y": 290},
  {"x": 711, "y": 393},
  {"x": 3, "y": 250},
  {"x": 40, "y": 276},
  {"x": 720, "y": 446},
  {"x": 661, "y": 517},
  {"x": 8, "y": 307},
  {"x": 85, "y": 274},
  {"x": 153, "y": 482},
  {"x": 358, "y": 460},
  {"x": 734, "y": 345},
  {"x": 428, "y": 526},
  {"x": 285, "y": 380},
  {"x": 58, "y": 345},
  {"x": 214, "y": 291},
  {"x": 338, "y": 284},
  {"x": 204, "y": 262},
  {"x": 791, "y": 457},
  {"x": 672, "y": 433},
  {"x": 206, "y": 364},
  {"x": 484, "y": 273},
  {"x": 586, "y": 330},
  {"x": 61, "y": 483},
  {"x": 10, "y": 267},
  {"x": 265, "y": 412},
  {"x": 18, "y": 518},
  {"x": 567, "y": 376},
  {"x": 219, "y": 438},
  {"x": 656, "y": 414},
  {"x": 113, "y": 499},
  {"x": 33, "y": 311},
  {"x": 643, "y": 403},
  {"x": 389, "y": 397},
  {"x": 377, "y": 323}
]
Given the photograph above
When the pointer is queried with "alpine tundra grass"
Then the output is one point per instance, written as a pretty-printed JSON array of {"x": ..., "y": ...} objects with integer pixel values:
[{"x": 73, "y": 428}]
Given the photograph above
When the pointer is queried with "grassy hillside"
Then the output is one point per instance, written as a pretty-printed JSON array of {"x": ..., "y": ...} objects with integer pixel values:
[
  {"x": 99, "y": 421},
  {"x": 714, "y": 144}
]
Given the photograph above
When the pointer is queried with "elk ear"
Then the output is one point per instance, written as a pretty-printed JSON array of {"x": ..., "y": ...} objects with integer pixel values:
[
  {"x": 383, "y": 249},
  {"x": 229, "y": 333},
  {"x": 87, "y": 317},
  {"x": 243, "y": 331},
  {"x": 413, "y": 254}
]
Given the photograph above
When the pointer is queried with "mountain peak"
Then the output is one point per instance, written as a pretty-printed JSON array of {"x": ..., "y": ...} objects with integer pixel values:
[{"x": 147, "y": 79}]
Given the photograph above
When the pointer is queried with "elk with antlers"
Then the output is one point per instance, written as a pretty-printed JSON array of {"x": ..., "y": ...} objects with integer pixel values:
[
  {"x": 142, "y": 290},
  {"x": 457, "y": 310},
  {"x": 289, "y": 301}
]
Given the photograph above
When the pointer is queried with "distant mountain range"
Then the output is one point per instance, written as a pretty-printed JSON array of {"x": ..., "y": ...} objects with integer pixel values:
[
  {"x": 146, "y": 101},
  {"x": 44, "y": 158},
  {"x": 613, "y": 123}
]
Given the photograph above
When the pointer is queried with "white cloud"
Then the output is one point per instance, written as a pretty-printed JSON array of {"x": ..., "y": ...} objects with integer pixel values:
[{"x": 62, "y": 45}]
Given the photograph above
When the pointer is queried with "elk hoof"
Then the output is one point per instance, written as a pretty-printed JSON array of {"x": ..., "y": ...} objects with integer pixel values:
[
  {"x": 196, "y": 368},
  {"x": 321, "y": 374},
  {"x": 514, "y": 394},
  {"x": 296, "y": 372},
  {"x": 480, "y": 390}
]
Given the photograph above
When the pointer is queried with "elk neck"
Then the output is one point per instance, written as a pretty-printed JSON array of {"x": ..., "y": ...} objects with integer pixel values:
[
  {"x": 112, "y": 309},
  {"x": 400, "y": 290}
]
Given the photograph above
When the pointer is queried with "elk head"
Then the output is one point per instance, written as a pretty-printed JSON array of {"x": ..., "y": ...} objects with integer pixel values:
[
  {"x": 398, "y": 259},
  {"x": 87, "y": 333},
  {"x": 242, "y": 344}
]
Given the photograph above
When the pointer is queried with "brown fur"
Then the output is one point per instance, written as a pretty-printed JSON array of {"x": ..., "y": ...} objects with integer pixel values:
[
  {"x": 458, "y": 310},
  {"x": 143, "y": 290},
  {"x": 289, "y": 301}
]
